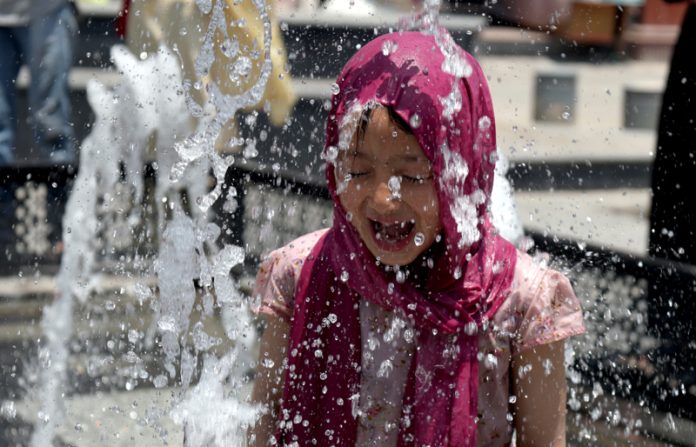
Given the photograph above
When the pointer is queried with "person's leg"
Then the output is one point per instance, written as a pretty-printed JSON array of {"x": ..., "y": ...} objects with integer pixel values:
[
  {"x": 9, "y": 67},
  {"x": 50, "y": 58}
]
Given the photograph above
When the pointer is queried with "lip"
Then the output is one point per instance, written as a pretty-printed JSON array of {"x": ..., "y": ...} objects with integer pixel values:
[{"x": 390, "y": 246}]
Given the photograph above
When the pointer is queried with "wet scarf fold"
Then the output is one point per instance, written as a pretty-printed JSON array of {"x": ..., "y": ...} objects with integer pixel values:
[{"x": 463, "y": 290}]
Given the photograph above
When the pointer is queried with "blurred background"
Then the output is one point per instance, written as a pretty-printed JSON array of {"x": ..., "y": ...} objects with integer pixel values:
[{"x": 578, "y": 90}]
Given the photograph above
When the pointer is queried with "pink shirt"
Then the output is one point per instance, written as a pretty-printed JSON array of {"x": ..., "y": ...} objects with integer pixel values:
[{"x": 541, "y": 308}]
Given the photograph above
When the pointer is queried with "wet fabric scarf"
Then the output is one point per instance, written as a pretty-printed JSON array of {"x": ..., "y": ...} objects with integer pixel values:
[{"x": 470, "y": 278}]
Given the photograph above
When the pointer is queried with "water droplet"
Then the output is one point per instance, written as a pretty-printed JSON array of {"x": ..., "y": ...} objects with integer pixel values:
[
  {"x": 143, "y": 56},
  {"x": 344, "y": 276},
  {"x": 389, "y": 47},
  {"x": 400, "y": 277},
  {"x": 457, "y": 66},
  {"x": 415, "y": 121},
  {"x": 43, "y": 417},
  {"x": 452, "y": 103},
  {"x": 167, "y": 324},
  {"x": 419, "y": 239},
  {"x": 204, "y": 5},
  {"x": 109, "y": 305},
  {"x": 490, "y": 361},
  {"x": 318, "y": 354},
  {"x": 250, "y": 150},
  {"x": 230, "y": 48},
  {"x": 349, "y": 216},
  {"x": 457, "y": 273},
  {"x": 385, "y": 368},
  {"x": 394, "y": 185},
  {"x": 241, "y": 68},
  {"x": 335, "y": 89},
  {"x": 133, "y": 336},
  {"x": 331, "y": 154},
  {"x": 8, "y": 409},
  {"x": 390, "y": 288},
  {"x": 484, "y": 122},
  {"x": 333, "y": 318},
  {"x": 183, "y": 31},
  {"x": 408, "y": 335},
  {"x": 565, "y": 115},
  {"x": 470, "y": 328}
]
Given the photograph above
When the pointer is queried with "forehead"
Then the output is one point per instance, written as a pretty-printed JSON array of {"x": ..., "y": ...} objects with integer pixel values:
[{"x": 383, "y": 138}]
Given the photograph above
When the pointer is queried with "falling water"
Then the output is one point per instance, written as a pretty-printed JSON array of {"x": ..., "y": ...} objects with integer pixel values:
[{"x": 125, "y": 117}]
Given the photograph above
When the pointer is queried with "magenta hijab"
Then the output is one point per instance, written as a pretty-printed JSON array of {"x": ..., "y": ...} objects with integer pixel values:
[{"x": 470, "y": 278}]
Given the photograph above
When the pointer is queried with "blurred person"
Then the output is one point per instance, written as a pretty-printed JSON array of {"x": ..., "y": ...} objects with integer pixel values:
[
  {"x": 181, "y": 26},
  {"x": 673, "y": 214},
  {"x": 40, "y": 35}
]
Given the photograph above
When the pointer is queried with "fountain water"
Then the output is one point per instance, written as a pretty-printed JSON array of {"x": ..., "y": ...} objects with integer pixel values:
[{"x": 115, "y": 154}]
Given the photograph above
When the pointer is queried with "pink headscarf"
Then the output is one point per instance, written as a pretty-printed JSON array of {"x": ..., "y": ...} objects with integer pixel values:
[{"x": 470, "y": 279}]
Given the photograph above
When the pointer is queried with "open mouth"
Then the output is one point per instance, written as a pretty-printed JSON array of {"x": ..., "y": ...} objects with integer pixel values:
[{"x": 393, "y": 236}]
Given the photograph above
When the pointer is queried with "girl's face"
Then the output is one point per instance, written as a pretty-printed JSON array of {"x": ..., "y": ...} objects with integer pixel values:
[{"x": 390, "y": 195}]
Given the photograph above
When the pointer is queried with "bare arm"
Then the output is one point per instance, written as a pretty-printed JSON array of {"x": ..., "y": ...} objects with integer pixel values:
[
  {"x": 268, "y": 383},
  {"x": 539, "y": 383}
]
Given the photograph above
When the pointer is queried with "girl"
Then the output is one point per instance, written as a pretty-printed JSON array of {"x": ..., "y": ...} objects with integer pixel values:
[{"x": 409, "y": 321}]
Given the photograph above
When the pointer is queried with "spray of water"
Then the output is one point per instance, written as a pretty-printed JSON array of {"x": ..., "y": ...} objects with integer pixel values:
[
  {"x": 111, "y": 152},
  {"x": 220, "y": 379},
  {"x": 98, "y": 171}
]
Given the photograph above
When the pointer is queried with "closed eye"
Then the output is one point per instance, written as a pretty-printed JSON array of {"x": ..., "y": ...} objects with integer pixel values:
[
  {"x": 358, "y": 174},
  {"x": 418, "y": 179}
]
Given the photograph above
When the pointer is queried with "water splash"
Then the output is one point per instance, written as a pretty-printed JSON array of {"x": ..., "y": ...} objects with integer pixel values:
[
  {"x": 452, "y": 103},
  {"x": 135, "y": 105},
  {"x": 98, "y": 175},
  {"x": 227, "y": 423},
  {"x": 225, "y": 106}
]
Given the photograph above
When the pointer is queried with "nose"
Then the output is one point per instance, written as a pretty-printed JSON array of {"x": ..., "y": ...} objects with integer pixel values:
[{"x": 383, "y": 201}]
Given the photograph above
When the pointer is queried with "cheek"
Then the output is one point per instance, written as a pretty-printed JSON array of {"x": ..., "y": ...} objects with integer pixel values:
[
  {"x": 430, "y": 209},
  {"x": 351, "y": 197}
]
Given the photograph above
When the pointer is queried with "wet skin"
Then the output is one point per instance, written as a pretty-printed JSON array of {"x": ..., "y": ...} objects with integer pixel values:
[{"x": 388, "y": 218}]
